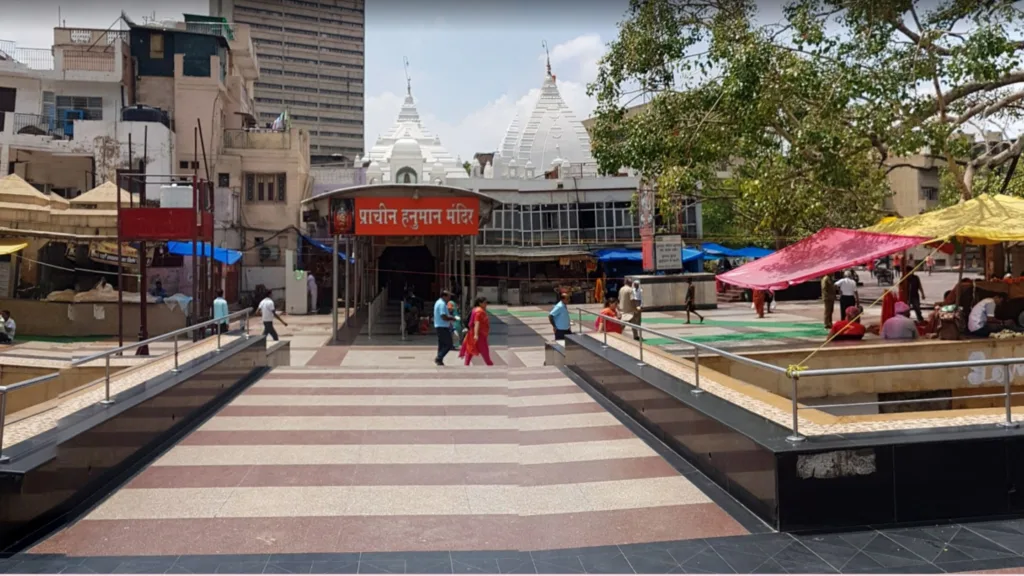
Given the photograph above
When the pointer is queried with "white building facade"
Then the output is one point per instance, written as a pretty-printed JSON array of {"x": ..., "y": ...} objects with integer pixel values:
[{"x": 61, "y": 125}]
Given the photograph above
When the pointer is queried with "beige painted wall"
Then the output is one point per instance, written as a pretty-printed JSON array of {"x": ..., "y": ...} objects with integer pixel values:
[
  {"x": 35, "y": 317},
  {"x": 884, "y": 354}
]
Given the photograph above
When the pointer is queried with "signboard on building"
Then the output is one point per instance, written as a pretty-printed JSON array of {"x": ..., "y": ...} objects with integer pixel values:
[
  {"x": 417, "y": 217},
  {"x": 668, "y": 252},
  {"x": 645, "y": 200}
]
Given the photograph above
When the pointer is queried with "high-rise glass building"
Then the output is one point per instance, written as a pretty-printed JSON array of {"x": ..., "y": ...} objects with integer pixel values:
[{"x": 311, "y": 65}]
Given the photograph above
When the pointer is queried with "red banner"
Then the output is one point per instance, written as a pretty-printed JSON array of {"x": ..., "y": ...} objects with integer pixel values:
[
  {"x": 646, "y": 200},
  {"x": 417, "y": 217}
]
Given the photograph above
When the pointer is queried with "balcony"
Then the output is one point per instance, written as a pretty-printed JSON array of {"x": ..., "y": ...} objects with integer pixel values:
[
  {"x": 26, "y": 58},
  {"x": 89, "y": 61},
  {"x": 257, "y": 140},
  {"x": 38, "y": 125}
]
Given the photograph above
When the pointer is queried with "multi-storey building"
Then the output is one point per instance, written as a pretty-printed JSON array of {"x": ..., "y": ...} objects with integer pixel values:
[{"x": 311, "y": 66}]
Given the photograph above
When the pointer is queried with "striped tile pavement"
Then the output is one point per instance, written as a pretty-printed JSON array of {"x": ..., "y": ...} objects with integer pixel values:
[{"x": 314, "y": 460}]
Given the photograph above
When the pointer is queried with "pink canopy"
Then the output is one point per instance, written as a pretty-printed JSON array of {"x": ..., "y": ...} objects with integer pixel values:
[{"x": 828, "y": 251}]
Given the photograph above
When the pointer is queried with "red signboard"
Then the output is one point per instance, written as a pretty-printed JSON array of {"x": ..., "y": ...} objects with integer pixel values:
[
  {"x": 646, "y": 200},
  {"x": 164, "y": 224},
  {"x": 417, "y": 217}
]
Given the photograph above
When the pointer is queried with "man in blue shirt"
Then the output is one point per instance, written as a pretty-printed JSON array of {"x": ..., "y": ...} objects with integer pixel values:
[
  {"x": 220, "y": 312},
  {"x": 443, "y": 326},
  {"x": 559, "y": 317}
]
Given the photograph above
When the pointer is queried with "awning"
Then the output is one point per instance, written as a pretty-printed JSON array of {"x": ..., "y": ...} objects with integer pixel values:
[
  {"x": 717, "y": 251},
  {"x": 324, "y": 247},
  {"x": 628, "y": 255},
  {"x": 9, "y": 246},
  {"x": 828, "y": 251},
  {"x": 985, "y": 219},
  {"x": 222, "y": 255}
]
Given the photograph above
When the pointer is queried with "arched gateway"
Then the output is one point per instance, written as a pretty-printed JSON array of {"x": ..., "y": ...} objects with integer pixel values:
[{"x": 419, "y": 237}]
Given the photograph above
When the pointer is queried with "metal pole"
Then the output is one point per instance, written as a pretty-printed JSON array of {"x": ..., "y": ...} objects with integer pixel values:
[
  {"x": 175, "y": 354},
  {"x": 401, "y": 316},
  {"x": 462, "y": 273},
  {"x": 696, "y": 372},
  {"x": 3, "y": 418},
  {"x": 1006, "y": 391},
  {"x": 348, "y": 274},
  {"x": 641, "y": 363},
  {"x": 795, "y": 436},
  {"x": 334, "y": 292},
  {"x": 472, "y": 267},
  {"x": 107, "y": 401},
  {"x": 217, "y": 328}
]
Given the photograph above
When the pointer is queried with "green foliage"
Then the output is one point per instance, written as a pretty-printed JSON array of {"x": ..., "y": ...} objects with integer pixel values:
[{"x": 804, "y": 113}]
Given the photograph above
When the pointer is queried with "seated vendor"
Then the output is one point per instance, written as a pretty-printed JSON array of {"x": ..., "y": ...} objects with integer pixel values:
[
  {"x": 982, "y": 320},
  {"x": 948, "y": 303},
  {"x": 900, "y": 326},
  {"x": 849, "y": 328}
]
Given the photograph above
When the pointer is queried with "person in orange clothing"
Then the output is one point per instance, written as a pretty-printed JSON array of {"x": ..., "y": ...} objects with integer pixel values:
[
  {"x": 599, "y": 294},
  {"x": 476, "y": 342},
  {"x": 848, "y": 328},
  {"x": 759, "y": 303},
  {"x": 610, "y": 310}
]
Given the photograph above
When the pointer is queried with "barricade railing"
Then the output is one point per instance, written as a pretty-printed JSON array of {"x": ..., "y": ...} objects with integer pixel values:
[
  {"x": 376, "y": 305},
  {"x": 794, "y": 376}
]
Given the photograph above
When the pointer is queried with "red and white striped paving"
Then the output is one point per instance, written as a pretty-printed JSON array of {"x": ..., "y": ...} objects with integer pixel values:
[{"x": 377, "y": 460}]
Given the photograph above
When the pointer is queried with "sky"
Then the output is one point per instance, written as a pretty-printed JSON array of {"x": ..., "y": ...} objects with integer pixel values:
[{"x": 473, "y": 64}]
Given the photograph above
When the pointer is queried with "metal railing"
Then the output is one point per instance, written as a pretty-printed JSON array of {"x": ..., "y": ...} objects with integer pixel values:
[
  {"x": 795, "y": 376},
  {"x": 39, "y": 125},
  {"x": 3, "y": 404},
  {"x": 242, "y": 316},
  {"x": 376, "y": 305}
]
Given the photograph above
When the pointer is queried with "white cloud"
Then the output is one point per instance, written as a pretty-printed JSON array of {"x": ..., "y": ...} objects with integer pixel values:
[{"x": 481, "y": 130}]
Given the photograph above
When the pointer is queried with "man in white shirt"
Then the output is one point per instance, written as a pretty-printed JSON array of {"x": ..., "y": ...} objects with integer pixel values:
[
  {"x": 630, "y": 303},
  {"x": 9, "y": 327},
  {"x": 847, "y": 289},
  {"x": 982, "y": 320},
  {"x": 268, "y": 313}
]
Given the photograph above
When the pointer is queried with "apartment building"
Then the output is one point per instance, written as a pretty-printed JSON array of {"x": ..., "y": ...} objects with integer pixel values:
[
  {"x": 311, "y": 66},
  {"x": 203, "y": 71}
]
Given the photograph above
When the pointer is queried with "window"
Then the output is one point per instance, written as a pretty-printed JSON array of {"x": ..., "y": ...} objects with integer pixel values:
[
  {"x": 81, "y": 107},
  {"x": 265, "y": 187},
  {"x": 224, "y": 180},
  {"x": 186, "y": 165},
  {"x": 929, "y": 194},
  {"x": 156, "y": 45},
  {"x": 7, "y": 98}
]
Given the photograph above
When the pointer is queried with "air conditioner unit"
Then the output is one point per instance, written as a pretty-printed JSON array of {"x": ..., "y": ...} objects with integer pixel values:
[{"x": 270, "y": 253}]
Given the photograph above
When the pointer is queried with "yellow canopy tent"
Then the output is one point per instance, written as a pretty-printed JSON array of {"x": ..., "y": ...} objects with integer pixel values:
[
  {"x": 9, "y": 246},
  {"x": 985, "y": 219}
]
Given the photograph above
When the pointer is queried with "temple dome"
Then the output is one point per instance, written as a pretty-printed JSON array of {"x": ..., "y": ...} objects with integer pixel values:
[{"x": 551, "y": 131}]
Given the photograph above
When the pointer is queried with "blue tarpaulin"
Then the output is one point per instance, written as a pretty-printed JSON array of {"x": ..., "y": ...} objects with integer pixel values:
[
  {"x": 633, "y": 255},
  {"x": 223, "y": 255},
  {"x": 324, "y": 247},
  {"x": 718, "y": 251}
]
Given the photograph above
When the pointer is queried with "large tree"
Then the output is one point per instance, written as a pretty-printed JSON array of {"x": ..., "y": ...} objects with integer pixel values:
[{"x": 807, "y": 113}]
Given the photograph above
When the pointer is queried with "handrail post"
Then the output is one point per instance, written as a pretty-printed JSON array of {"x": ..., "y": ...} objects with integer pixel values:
[
  {"x": 641, "y": 342},
  {"x": 696, "y": 372},
  {"x": 795, "y": 436},
  {"x": 3, "y": 418},
  {"x": 217, "y": 328},
  {"x": 175, "y": 370},
  {"x": 1008, "y": 423},
  {"x": 604, "y": 325},
  {"x": 106, "y": 400},
  {"x": 245, "y": 324},
  {"x": 579, "y": 315}
]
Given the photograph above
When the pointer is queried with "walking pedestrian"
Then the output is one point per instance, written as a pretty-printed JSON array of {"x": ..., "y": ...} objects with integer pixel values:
[
  {"x": 915, "y": 293},
  {"x": 268, "y": 313},
  {"x": 828, "y": 297},
  {"x": 691, "y": 301},
  {"x": 443, "y": 327},
  {"x": 629, "y": 303},
  {"x": 476, "y": 342}
]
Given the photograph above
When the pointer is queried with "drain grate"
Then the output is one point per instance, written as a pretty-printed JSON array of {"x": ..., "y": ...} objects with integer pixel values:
[{"x": 406, "y": 357}]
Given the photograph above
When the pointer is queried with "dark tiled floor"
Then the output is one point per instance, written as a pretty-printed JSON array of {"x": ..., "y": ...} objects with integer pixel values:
[{"x": 926, "y": 550}]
